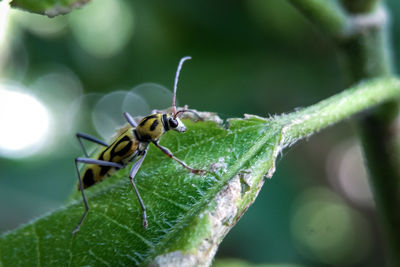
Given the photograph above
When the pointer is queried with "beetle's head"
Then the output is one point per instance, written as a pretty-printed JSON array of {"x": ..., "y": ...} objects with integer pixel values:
[{"x": 176, "y": 124}]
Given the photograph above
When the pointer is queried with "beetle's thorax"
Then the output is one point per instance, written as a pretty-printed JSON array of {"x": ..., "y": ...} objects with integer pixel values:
[{"x": 152, "y": 127}]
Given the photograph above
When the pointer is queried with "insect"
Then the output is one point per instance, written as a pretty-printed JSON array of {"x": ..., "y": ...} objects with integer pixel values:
[{"x": 130, "y": 144}]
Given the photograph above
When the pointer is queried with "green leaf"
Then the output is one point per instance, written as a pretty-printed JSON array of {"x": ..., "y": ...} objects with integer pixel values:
[
  {"x": 188, "y": 214},
  {"x": 181, "y": 207},
  {"x": 50, "y": 8}
]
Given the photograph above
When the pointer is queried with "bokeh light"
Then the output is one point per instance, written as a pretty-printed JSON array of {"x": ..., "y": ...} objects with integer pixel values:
[
  {"x": 58, "y": 87},
  {"x": 346, "y": 171},
  {"x": 108, "y": 112},
  {"x": 24, "y": 122},
  {"x": 102, "y": 28},
  {"x": 156, "y": 95},
  {"x": 328, "y": 231},
  {"x": 138, "y": 102}
]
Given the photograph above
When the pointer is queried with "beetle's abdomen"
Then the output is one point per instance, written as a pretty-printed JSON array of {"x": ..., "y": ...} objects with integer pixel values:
[
  {"x": 150, "y": 128},
  {"x": 122, "y": 150}
]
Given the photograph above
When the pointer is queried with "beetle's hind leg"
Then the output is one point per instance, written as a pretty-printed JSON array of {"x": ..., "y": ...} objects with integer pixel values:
[
  {"x": 89, "y": 161},
  {"x": 81, "y": 136}
]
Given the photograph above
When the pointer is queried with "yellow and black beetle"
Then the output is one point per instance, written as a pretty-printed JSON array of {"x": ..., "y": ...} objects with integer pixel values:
[{"x": 130, "y": 145}]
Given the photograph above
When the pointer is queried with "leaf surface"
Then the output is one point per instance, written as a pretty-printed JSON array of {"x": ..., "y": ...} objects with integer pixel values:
[
  {"x": 188, "y": 214},
  {"x": 180, "y": 205}
]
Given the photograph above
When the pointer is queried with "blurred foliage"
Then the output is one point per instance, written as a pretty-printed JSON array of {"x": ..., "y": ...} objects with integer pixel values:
[
  {"x": 240, "y": 263},
  {"x": 254, "y": 56},
  {"x": 49, "y": 8}
]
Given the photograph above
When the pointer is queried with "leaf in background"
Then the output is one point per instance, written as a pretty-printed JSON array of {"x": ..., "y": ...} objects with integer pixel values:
[{"x": 50, "y": 8}]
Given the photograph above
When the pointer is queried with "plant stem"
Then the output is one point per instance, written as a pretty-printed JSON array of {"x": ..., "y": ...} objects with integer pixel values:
[
  {"x": 364, "y": 96},
  {"x": 327, "y": 15},
  {"x": 369, "y": 55},
  {"x": 365, "y": 53}
]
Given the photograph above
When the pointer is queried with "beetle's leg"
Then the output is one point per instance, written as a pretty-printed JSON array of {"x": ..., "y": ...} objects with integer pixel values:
[
  {"x": 132, "y": 174},
  {"x": 130, "y": 120},
  {"x": 89, "y": 161},
  {"x": 169, "y": 154},
  {"x": 89, "y": 138}
]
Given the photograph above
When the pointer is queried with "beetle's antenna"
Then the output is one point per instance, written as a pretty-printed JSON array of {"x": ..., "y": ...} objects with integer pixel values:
[
  {"x": 191, "y": 111},
  {"x": 176, "y": 83}
]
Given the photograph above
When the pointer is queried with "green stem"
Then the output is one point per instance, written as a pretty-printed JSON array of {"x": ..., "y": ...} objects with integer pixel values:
[
  {"x": 365, "y": 53},
  {"x": 328, "y": 15},
  {"x": 369, "y": 54},
  {"x": 340, "y": 106}
]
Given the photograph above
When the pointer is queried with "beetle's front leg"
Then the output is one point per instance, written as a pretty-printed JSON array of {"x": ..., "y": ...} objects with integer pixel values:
[{"x": 170, "y": 155}]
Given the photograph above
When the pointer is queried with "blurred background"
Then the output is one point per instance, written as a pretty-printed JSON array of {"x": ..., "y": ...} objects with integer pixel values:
[{"x": 254, "y": 56}]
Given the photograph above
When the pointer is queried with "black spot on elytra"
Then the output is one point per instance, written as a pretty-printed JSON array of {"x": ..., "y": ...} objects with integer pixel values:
[
  {"x": 88, "y": 178},
  {"x": 104, "y": 170},
  {"x": 154, "y": 125},
  {"x": 143, "y": 122},
  {"x": 122, "y": 151}
]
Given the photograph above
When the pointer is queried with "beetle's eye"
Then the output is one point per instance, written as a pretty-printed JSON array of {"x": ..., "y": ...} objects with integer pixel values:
[{"x": 173, "y": 123}]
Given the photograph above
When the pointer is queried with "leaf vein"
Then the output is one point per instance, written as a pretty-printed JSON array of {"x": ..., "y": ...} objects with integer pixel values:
[
  {"x": 205, "y": 200},
  {"x": 183, "y": 207},
  {"x": 98, "y": 258},
  {"x": 147, "y": 242}
]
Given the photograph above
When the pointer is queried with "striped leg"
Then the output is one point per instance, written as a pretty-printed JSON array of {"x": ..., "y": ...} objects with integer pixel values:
[
  {"x": 132, "y": 174},
  {"x": 89, "y": 161}
]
